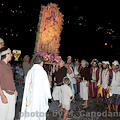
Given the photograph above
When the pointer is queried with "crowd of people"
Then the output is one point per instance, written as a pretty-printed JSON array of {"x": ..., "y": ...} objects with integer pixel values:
[
  {"x": 20, "y": 69},
  {"x": 89, "y": 80},
  {"x": 60, "y": 81}
]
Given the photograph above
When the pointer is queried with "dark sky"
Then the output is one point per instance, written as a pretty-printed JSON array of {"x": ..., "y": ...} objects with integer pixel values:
[{"x": 87, "y": 27}]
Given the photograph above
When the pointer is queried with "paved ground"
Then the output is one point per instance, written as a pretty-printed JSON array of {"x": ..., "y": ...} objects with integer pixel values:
[{"x": 93, "y": 112}]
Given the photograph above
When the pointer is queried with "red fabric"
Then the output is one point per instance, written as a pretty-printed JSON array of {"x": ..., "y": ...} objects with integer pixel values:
[
  {"x": 93, "y": 89},
  {"x": 93, "y": 85},
  {"x": 77, "y": 81},
  {"x": 97, "y": 73},
  {"x": 104, "y": 94}
]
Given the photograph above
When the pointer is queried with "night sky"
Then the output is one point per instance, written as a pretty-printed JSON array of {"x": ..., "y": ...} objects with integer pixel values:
[{"x": 90, "y": 30}]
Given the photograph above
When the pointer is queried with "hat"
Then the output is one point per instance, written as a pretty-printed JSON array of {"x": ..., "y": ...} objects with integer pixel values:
[
  {"x": 99, "y": 63},
  {"x": 116, "y": 63},
  {"x": 5, "y": 52},
  {"x": 1, "y": 40},
  {"x": 106, "y": 62},
  {"x": 95, "y": 61}
]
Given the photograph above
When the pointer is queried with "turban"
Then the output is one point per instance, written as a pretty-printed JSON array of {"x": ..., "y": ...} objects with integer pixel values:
[{"x": 5, "y": 52}]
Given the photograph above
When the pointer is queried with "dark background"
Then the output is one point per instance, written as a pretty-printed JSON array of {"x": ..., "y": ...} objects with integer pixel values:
[{"x": 87, "y": 27}]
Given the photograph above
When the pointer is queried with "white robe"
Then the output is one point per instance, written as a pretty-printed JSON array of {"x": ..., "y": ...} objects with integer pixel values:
[
  {"x": 36, "y": 94},
  {"x": 116, "y": 83},
  {"x": 66, "y": 96},
  {"x": 84, "y": 90}
]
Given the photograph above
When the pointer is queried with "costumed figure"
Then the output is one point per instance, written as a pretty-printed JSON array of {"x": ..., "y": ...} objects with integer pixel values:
[
  {"x": 8, "y": 93},
  {"x": 113, "y": 89},
  {"x": 66, "y": 96},
  {"x": 84, "y": 82},
  {"x": 77, "y": 69},
  {"x": 94, "y": 71},
  {"x": 71, "y": 76},
  {"x": 36, "y": 92},
  {"x": 103, "y": 81},
  {"x": 59, "y": 72}
]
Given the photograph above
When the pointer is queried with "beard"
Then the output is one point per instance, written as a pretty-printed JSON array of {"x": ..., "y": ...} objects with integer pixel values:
[{"x": 104, "y": 68}]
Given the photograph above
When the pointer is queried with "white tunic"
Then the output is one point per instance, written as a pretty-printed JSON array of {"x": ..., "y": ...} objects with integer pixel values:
[
  {"x": 66, "y": 95},
  {"x": 76, "y": 71},
  {"x": 72, "y": 76},
  {"x": 100, "y": 77},
  {"x": 105, "y": 77},
  {"x": 36, "y": 94},
  {"x": 116, "y": 83}
]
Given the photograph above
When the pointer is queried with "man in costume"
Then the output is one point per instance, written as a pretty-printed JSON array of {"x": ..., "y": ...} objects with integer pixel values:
[
  {"x": 66, "y": 97},
  {"x": 8, "y": 91},
  {"x": 71, "y": 76},
  {"x": 77, "y": 68},
  {"x": 103, "y": 81},
  {"x": 94, "y": 71},
  {"x": 36, "y": 92},
  {"x": 84, "y": 84},
  {"x": 59, "y": 72},
  {"x": 1, "y": 42},
  {"x": 113, "y": 89}
]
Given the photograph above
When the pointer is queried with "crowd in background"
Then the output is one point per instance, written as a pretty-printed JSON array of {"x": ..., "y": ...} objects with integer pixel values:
[{"x": 66, "y": 80}]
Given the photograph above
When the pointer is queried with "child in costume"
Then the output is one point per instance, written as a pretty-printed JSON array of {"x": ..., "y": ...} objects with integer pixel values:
[{"x": 66, "y": 96}]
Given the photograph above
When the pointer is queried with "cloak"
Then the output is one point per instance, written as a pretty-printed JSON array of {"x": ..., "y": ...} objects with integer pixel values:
[{"x": 36, "y": 94}]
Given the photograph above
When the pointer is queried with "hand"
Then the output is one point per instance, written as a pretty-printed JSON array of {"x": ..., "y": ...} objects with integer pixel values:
[
  {"x": 87, "y": 84},
  {"x": 66, "y": 65},
  {"x": 77, "y": 79},
  {"x": 107, "y": 90},
  {"x": 16, "y": 93},
  {"x": 4, "y": 99}
]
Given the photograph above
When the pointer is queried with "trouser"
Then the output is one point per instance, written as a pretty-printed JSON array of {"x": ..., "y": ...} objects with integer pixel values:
[
  {"x": 57, "y": 93},
  {"x": 7, "y": 110},
  {"x": 114, "y": 99},
  {"x": 75, "y": 88},
  {"x": 84, "y": 90}
]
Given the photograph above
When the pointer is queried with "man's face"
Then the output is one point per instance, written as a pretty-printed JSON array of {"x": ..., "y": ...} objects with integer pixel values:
[
  {"x": 27, "y": 59},
  {"x": 1, "y": 45},
  {"x": 94, "y": 65},
  {"x": 100, "y": 65},
  {"x": 76, "y": 62},
  {"x": 68, "y": 60},
  {"x": 61, "y": 64},
  {"x": 114, "y": 67},
  {"x": 83, "y": 63},
  {"x": 104, "y": 66},
  {"x": 9, "y": 56}
]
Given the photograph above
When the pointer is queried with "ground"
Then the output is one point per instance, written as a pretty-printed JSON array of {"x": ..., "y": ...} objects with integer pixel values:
[{"x": 93, "y": 112}]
